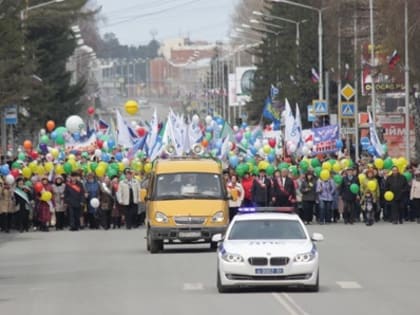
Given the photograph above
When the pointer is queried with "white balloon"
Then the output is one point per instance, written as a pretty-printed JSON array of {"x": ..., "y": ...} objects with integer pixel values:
[
  {"x": 209, "y": 119},
  {"x": 134, "y": 124},
  {"x": 126, "y": 162},
  {"x": 306, "y": 150},
  {"x": 248, "y": 128},
  {"x": 235, "y": 128},
  {"x": 49, "y": 157},
  {"x": 10, "y": 179},
  {"x": 94, "y": 202},
  {"x": 292, "y": 148},
  {"x": 265, "y": 141},
  {"x": 98, "y": 153},
  {"x": 74, "y": 124},
  {"x": 261, "y": 152},
  {"x": 310, "y": 144},
  {"x": 43, "y": 132},
  {"x": 257, "y": 144},
  {"x": 195, "y": 119},
  {"x": 279, "y": 151}
]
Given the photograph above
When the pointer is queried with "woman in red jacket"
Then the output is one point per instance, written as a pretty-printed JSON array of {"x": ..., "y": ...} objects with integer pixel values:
[{"x": 246, "y": 182}]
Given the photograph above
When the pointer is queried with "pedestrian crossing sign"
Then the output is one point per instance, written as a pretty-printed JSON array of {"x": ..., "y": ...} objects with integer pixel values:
[
  {"x": 320, "y": 107},
  {"x": 347, "y": 110}
]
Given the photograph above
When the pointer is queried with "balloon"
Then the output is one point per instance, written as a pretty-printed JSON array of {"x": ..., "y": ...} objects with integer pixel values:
[
  {"x": 317, "y": 171},
  {"x": 68, "y": 168},
  {"x": 379, "y": 164},
  {"x": 15, "y": 173},
  {"x": 74, "y": 124},
  {"x": 267, "y": 148},
  {"x": 27, "y": 144},
  {"x": 389, "y": 196},
  {"x": 326, "y": 166},
  {"x": 315, "y": 162},
  {"x": 294, "y": 170},
  {"x": 283, "y": 165},
  {"x": 306, "y": 151},
  {"x": 49, "y": 166},
  {"x": 372, "y": 185},
  {"x": 131, "y": 107},
  {"x": 195, "y": 119},
  {"x": 362, "y": 178},
  {"x": 339, "y": 144},
  {"x": 354, "y": 188},
  {"x": 262, "y": 165},
  {"x": 91, "y": 110},
  {"x": 336, "y": 167},
  {"x": 59, "y": 169},
  {"x": 141, "y": 132},
  {"x": 10, "y": 179},
  {"x": 94, "y": 202},
  {"x": 148, "y": 167},
  {"x": 324, "y": 175},
  {"x": 26, "y": 172},
  {"x": 233, "y": 161},
  {"x": 338, "y": 179},
  {"x": 100, "y": 171},
  {"x": 50, "y": 125},
  {"x": 46, "y": 196},
  {"x": 408, "y": 176},
  {"x": 209, "y": 119},
  {"x": 270, "y": 170},
  {"x": 272, "y": 142},
  {"x": 304, "y": 165},
  {"x": 388, "y": 163},
  {"x": 44, "y": 139},
  {"x": 54, "y": 152},
  {"x": 60, "y": 140}
]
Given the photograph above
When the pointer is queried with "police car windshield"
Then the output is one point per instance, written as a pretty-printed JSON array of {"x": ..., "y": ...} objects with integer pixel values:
[
  {"x": 189, "y": 185},
  {"x": 267, "y": 230}
]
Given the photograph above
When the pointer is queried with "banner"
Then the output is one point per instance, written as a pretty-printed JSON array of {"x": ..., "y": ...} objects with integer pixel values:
[
  {"x": 325, "y": 139},
  {"x": 88, "y": 145},
  {"x": 232, "y": 98},
  {"x": 244, "y": 78}
]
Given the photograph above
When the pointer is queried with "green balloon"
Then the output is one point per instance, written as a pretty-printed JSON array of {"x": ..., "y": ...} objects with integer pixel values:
[
  {"x": 208, "y": 136},
  {"x": 338, "y": 179},
  {"x": 21, "y": 156},
  {"x": 93, "y": 166},
  {"x": 67, "y": 168},
  {"x": 283, "y": 165},
  {"x": 60, "y": 139},
  {"x": 251, "y": 160},
  {"x": 332, "y": 161},
  {"x": 304, "y": 165},
  {"x": 240, "y": 171},
  {"x": 294, "y": 170},
  {"x": 60, "y": 130},
  {"x": 354, "y": 188},
  {"x": 111, "y": 172},
  {"x": 317, "y": 171},
  {"x": 315, "y": 162},
  {"x": 15, "y": 165},
  {"x": 114, "y": 166},
  {"x": 44, "y": 139},
  {"x": 408, "y": 176},
  {"x": 270, "y": 170},
  {"x": 388, "y": 164}
]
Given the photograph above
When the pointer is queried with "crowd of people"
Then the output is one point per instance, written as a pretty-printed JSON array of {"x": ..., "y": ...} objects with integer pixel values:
[
  {"x": 77, "y": 201},
  {"x": 361, "y": 193}
]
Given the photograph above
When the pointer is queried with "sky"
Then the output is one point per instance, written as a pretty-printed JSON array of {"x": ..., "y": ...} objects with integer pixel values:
[{"x": 134, "y": 21}]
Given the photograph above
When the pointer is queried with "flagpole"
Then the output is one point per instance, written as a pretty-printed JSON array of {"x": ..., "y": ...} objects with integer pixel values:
[
  {"x": 372, "y": 63},
  {"x": 406, "y": 83}
]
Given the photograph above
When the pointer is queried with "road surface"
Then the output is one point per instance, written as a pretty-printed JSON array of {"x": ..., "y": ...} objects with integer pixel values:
[{"x": 364, "y": 270}]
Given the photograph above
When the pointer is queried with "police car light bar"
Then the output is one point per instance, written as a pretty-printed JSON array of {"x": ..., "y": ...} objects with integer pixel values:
[{"x": 266, "y": 209}]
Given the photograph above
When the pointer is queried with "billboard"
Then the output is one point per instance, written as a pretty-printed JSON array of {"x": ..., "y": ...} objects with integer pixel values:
[{"x": 244, "y": 83}]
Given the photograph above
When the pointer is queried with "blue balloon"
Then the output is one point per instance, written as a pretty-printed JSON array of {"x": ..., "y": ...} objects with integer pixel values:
[
  {"x": 209, "y": 128},
  {"x": 339, "y": 144},
  {"x": 4, "y": 170},
  {"x": 233, "y": 161},
  {"x": 76, "y": 136},
  {"x": 371, "y": 150},
  {"x": 105, "y": 157},
  {"x": 253, "y": 150},
  {"x": 276, "y": 125},
  {"x": 111, "y": 143},
  {"x": 244, "y": 125},
  {"x": 118, "y": 156},
  {"x": 271, "y": 157},
  {"x": 53, "y": 135}
]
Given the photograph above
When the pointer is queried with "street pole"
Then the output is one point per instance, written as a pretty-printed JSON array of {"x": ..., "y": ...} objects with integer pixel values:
[
  {"x": 372, "y": 63},
  {"x": 356, "y": 89},
  {"x": 406, "y": 82},
  {"x": 320, "y": 70},
  {"x": 339, "y": 83}
]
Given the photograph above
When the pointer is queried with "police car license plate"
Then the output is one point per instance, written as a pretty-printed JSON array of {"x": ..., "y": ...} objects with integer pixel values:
[
  {"x": 268, "y": 271},
  {"x": 189, "y": 234}
]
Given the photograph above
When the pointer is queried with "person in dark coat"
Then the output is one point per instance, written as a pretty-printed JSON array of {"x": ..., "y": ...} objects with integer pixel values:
[
  {"x": 260, "y": 190},
  {"x": 74, "y": 198},
  {"x": 283, "y": 192},
  {"x": 349, "y": 198},
  {"x": 398, "y": 185},
  {"x": 309, "y": 196}
]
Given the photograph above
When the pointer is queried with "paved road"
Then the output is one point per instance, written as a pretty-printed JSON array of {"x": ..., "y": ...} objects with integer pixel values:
[{"x": 364, "y": 270}]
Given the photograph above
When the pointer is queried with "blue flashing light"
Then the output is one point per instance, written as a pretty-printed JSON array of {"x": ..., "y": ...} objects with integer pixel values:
[{"x": 266, "y": 209}]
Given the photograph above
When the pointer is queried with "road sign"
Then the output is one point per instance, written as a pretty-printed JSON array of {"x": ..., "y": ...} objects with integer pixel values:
[
  {"x": 347, "y": 92},
  {"x": 10, "y": 115},
  {"x": 347, "y": 110},
  {"x": 311, "y": 116},
  {"x": 320, "y": 107},
  {"x": 348, "y": 130}
]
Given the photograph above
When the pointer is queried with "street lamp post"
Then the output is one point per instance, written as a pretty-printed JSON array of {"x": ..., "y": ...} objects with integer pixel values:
[
  {"x": 320, "y": 59},
  {"x": 406, "y": 82},
  {"x": 37, "y": 6}
]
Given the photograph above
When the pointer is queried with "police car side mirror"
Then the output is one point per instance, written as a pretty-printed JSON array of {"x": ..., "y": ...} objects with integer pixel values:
[
  {"x": 217, "y": 238},
  {"x": 317, "y": 237}
]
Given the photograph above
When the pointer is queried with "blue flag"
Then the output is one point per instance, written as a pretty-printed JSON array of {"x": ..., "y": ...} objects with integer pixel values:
[{"x": 269, "y": 112}]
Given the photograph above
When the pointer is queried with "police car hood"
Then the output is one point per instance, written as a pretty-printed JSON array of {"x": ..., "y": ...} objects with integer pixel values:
[{"x": 250, "y": 248}]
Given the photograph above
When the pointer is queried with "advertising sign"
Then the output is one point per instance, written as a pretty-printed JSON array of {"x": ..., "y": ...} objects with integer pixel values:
[{"x": 244, "y": 84}]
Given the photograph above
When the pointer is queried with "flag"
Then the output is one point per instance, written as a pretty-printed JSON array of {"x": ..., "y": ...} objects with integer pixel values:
[
  {"x": 289, "y": 122},
  {"x": 374, "y": 139},
  {"x": 123, "y": 133},
  {"x": 393, "y": 60},
  {"x": 152, "y": 132},
  {"x": 102, "y": 126},
  {"x": 298, "y": 129},
  {"x": 314, "y": 75},
  {"x": 274, "y": 91},
  {"x": 269, "y": 112}
]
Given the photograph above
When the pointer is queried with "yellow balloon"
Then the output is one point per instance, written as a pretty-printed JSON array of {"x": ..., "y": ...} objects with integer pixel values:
[
  {"x": 402, "y": 161},
  {"x": 33, "y": 166},
  {"x": 131, "y": 107},
  {"x": 262, "y": 165},
  {"x": 26, "y": 172},
  {"x": 59, "y": 169},
  {"x": 148, "y": 167},
  {"x": 379, "y": 164},
  {"x": 345, "y": 163},
  {"x": 266, "y": 149},
  {"x": 336, "y": 167},
  {"x": 362, "y": 178},
  {"x": 46, "y": 196},
  {"x": 100, "y": 171},
  {"x": 54, "y": 152},
  {"x": 121, "y": 166},
  {"x": 103, "y": 165},
  {"x": 389, "y": 196},
  {"x": 74, "y": 165},
  {"x": 71, "y": 157},
  {"x": 49, "y": 166},
  {"x": 325, "y": 175},
  {"x": 372, "y": 185},
  {"x": 326, "y": 166},
  {"x": 40, "y": 170}
]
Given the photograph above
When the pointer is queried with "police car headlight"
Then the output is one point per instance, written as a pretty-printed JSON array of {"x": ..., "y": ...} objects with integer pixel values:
[
  {"x": 161, "y": 217},
  {"x": 232, "y": 258},
  {"x": 218, "y": 217},
  {"x": 306, "y": 257}
]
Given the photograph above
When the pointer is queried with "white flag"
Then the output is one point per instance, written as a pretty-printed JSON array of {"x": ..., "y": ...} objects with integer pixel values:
[
  {"x": 374, "y": 139},
  {"x": 123, "y": 134}
]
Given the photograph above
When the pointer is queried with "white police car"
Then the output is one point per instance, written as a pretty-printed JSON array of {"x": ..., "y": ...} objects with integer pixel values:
[{"x": 267, "y": 247}]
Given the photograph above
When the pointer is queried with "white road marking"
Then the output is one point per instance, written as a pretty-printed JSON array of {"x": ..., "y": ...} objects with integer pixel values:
[
  {"x": 289, "y": 305},
  {"x": 293, "y": 302},
  {"x": 193, "y": 286},
  {"x": 349, "y": 285}
]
